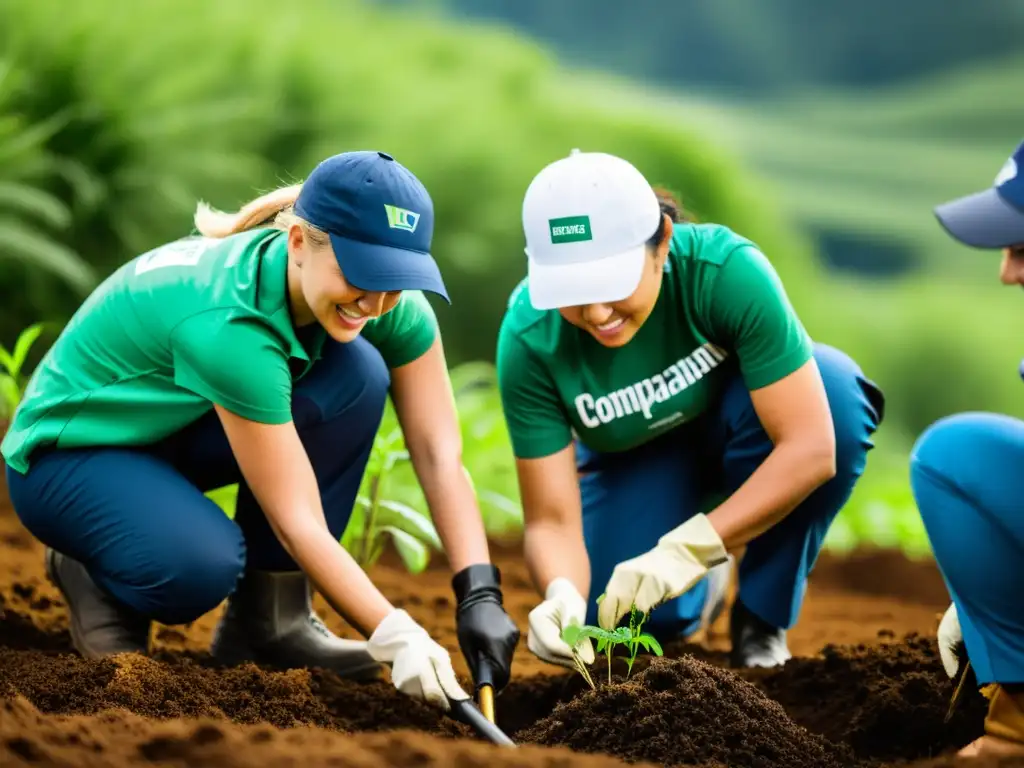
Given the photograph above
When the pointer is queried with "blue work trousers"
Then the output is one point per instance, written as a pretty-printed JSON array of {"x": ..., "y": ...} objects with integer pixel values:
[
  {"x": 137, "y": 517},
  {"x": 967, "y": 479},
  {"x": 631, "y": 499}
]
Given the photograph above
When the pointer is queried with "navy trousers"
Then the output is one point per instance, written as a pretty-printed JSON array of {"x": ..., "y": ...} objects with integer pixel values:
[
  {"x": 137, "y": 517},
  {"x": 965, "y": 473},
  {"x": 631, "y": 499}
]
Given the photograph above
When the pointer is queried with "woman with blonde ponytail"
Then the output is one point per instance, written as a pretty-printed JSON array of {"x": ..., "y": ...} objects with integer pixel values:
[{"x": 259, "y": 351}]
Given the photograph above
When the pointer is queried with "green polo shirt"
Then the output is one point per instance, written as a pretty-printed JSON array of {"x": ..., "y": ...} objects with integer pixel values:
[
  {"x": 722, "y": 311},
  {"x": 174, "y": 331}
]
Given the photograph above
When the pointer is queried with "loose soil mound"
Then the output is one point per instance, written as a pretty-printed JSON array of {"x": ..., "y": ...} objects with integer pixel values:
[
  {"x": 686, "y": 712},
  {"x": 886, "y": 702},
  {"x": 118, "y": 739},
  {"x": 181, "y": 687}
]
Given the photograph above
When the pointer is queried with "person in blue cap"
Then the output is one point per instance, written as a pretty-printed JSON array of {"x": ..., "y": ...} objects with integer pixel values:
[
  {"x": 965, "y": 472},
  {"x": 260, "y": 351}
]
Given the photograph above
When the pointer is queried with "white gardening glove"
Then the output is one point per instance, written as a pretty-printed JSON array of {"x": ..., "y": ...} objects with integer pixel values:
[
  {"x": 419, "y": 666},
  {"x": 681, "y": 558},
  {"x": 950, "y": 639},
  {"x": 563, "y": 605}
]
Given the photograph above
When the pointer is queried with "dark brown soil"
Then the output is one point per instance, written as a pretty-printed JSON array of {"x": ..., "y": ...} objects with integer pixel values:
[
  {"x": 864, "y": 690},
  {"x": 686, "y": 712},
  {"x": 887, "y": 702}
]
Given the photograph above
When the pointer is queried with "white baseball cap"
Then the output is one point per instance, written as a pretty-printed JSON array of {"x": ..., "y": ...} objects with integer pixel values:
[{"x": 587, "y": 219}]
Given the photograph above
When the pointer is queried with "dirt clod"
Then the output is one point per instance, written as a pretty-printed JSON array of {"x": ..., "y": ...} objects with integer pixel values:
[
  {"x": 686, "y": 712},
  {"x": 886, "y": 702}
]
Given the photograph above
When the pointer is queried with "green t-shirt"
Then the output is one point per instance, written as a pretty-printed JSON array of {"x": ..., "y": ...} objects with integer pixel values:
[
  {"x": 192, "y": 323},
  {"x": 722, "y": 309}
]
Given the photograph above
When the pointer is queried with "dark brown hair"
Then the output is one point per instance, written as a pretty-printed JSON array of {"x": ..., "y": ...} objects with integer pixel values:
[{"x": 674, "y": 209}]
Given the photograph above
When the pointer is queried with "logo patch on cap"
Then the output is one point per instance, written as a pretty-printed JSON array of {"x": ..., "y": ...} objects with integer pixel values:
[
  {"x": 400, "y": 218},
  {"x": 570, "y": 229}
]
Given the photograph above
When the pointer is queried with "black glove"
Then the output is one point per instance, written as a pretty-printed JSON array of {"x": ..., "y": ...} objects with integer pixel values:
[{"x": 487, "y": 635}]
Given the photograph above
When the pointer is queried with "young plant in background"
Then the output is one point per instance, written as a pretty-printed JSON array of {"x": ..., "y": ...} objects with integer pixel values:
[
  {"x": 13, "y": 377},
  {"x": 606, "y": 641},
  {"x": 391, "y": 505}
]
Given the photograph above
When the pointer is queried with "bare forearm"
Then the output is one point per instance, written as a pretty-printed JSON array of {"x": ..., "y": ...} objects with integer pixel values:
[
  {"x": 456, "y": 515},
  {"x": 553, "y": 550},
  {"x": 787, "y": 477},
  {"x": 338, "y": 577}
]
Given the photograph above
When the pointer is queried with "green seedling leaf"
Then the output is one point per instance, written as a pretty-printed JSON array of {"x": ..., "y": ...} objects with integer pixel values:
[
  {"x": 413, "y": 552},
  {"x": 7, "y": 360},
  {"x": 10, "y": 394},
  {"x": 24, "y": 343},
  {"x": 572, "y": 634},
  {"x": 650, "y": 644}
]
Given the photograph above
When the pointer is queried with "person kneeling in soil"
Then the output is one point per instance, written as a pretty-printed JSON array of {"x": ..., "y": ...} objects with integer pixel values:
[
  {"x": 965, "y": 476},
  {"x": 260, "y": 352},
  {"x": 667, "y": 409}
]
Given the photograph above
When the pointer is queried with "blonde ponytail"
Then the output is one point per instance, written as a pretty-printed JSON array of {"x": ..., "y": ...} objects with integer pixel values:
[{"x": 277, "y": 204}]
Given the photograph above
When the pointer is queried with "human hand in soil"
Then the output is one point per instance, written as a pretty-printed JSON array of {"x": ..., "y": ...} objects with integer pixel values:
[
  {"x": 951, "y": 640},
  {"x": 563, "y": 605},
  {"x": 487, "y": 634},
  {"x": 420, "y": 667},
  {"x": 681, "y": 558}
]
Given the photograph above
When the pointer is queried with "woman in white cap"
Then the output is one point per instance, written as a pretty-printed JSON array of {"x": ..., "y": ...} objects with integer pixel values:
[
  {"x": 965, "y": 473},
  {"x": 667, "y": 410},
  {"x": 259, "y": 353}
]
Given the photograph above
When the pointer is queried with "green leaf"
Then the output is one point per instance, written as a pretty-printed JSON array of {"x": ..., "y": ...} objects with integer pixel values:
[
  {"x": 394, "y": 514},
  {"x": 25, "y": 341},
  {"x": 572, "y": 634},
  {"x": 413, "y": 552},
  {"x": 650, "y": 643},
  {"x": 10, "y": 395},
  {"x": 622, "y": 634},
  {"x": 597, "y": 633},
  {"x": 602, "y": 644}
]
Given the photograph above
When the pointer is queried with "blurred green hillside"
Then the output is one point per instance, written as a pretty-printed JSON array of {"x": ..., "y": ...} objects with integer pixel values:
[
  {"x": 120, "y": 119},
  {"x": 752, "y": 47}
]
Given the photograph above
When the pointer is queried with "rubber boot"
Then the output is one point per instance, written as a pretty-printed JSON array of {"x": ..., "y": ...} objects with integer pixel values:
[
  {"x": 755, "y": 642},
  {"x": 270, "y": 620},
  {"x": 100, "y": 625}
]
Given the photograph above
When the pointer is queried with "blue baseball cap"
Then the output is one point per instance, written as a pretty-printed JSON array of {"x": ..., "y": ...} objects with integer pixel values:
[
  {"x": 993, "y": 218},
  {"x": 380, "y": 219}
]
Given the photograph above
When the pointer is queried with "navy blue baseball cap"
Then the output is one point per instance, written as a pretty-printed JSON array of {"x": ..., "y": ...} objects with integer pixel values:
[
  {"x": 380, "y": 219},
  {"x": 993, "y": 218}
]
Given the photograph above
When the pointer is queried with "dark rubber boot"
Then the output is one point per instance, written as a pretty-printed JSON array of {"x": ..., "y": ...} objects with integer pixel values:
[
  {"x": 269, "y": 620},
  {"x": 755, "y": 643},
  {"x": 100, "y": 625}
]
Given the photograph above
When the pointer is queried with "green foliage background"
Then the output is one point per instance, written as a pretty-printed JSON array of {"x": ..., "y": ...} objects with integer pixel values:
[{"x": 116, "y": 119}]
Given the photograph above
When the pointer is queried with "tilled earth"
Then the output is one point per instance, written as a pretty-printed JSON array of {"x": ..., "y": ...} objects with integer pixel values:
[{"x": 865, "y": 689}]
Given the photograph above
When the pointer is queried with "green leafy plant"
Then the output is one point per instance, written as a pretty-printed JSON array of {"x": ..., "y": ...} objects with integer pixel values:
[
  {"x": 12, "y": 376},
  {"x": 607, "y": 640},
  {"x": 390, "y": 505}
]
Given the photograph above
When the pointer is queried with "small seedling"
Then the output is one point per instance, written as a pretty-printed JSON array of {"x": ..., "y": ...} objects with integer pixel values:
[
  {"x": 12, "y": 374},
  {"x": 607, "y": 640}
]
